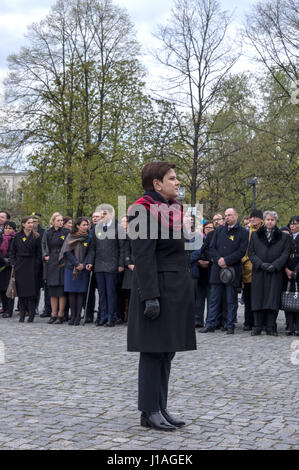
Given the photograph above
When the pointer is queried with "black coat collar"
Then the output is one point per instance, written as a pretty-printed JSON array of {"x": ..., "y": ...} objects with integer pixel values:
[{"x": 276, "y": 236}]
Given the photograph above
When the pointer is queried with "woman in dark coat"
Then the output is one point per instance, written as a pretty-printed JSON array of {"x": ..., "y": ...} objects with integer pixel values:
[
  {"x": 76, "y": 277},
  {"x": 292, "y": 275},
  {"x": 26, "y": 258},
  {"x": 5, "y": 267},
  {"x": 268, "y": 252},
  {"x": 52, "y": 242},
  {"x": 129, "y": 268},
  {"x": 161, "y": 311}
]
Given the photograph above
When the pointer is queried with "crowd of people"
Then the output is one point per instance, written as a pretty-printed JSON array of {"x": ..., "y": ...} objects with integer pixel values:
[{"x": 72, "y": 259}]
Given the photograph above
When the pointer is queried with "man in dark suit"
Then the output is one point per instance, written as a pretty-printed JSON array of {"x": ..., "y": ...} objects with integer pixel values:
[{"x": 227, "y": 248}]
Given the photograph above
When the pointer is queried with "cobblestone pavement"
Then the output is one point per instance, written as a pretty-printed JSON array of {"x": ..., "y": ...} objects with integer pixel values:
[{"x": 66, "y": 387}]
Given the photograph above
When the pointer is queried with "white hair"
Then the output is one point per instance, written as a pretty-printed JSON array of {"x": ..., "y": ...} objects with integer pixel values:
[{"x": 271, "y": 213}]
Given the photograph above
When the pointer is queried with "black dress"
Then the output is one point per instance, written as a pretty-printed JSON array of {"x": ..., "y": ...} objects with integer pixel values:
[{"x": 53, "y": 273}]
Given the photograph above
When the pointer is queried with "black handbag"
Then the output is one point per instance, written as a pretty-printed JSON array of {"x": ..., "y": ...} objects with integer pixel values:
[{"x": 290, "y": 300}]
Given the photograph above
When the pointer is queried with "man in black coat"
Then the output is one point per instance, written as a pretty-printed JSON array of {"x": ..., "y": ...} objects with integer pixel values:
[
  {"x": 106, "y": 255},
  {"x": 268, "y": 252},
  {"x": 227, "y": 248}
]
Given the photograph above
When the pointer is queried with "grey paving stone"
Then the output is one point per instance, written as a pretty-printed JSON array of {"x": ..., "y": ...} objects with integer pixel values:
[{"x": 76, "y": 388}]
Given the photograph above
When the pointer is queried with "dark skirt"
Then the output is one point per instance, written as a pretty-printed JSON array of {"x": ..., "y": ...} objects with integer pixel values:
[
  {"x": 76, "y": 285},
  {"x": 56, "y": 291}
]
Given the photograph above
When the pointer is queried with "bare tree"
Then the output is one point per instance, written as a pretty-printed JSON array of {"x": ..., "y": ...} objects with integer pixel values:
[
  {"x": 272, "y": 28},
  {"x": 198, "y": 57}
]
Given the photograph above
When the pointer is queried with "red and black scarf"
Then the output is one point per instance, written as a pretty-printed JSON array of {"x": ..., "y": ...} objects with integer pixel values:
[{"x": 169, "y": 214}]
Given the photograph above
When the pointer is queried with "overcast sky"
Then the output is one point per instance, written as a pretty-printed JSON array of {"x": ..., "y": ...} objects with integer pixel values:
[{"x": 16, "y": 15}]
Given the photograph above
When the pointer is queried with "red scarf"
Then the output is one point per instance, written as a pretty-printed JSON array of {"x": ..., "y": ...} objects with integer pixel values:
[
  {"x": 172, "y": 218},
  {"x": 5, "y": 243}
]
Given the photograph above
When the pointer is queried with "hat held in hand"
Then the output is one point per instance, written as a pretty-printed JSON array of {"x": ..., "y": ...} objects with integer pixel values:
[{"x": 227, "y": 275}]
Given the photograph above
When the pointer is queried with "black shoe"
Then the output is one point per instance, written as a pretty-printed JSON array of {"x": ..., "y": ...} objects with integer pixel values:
[
  {"x": 256, "y": 332},
  {"x": 156, "y": 421},
  {"x": 99, "y": 322},
  {"x": 296, "y": 333},
  {"x": 52, "y": 320},
  {"x": 60, "y": 320},
  {"x": 21, "y": 319},
  {"x": 198, "y": 325},
  {"x": 271, "y": 333},
  {"x": 175, "y": 422},
  {"x": 119, "y": 321},
  {"x": 207, "y": 329},
  {"x": 110, "y": 323},
  {"x": 230, "y": 331},
  {"x": 223, "y": 328},
  {"x": 45, "y": 315},
  {"x": 247, "y": 328},
  {"x": 88, "y": 320},
  {"x": 288, "y": 332},
  {"x": 71, "y": 322},
  {"x": 30, "y": 320},
  {"x": 7, "y": 315}
]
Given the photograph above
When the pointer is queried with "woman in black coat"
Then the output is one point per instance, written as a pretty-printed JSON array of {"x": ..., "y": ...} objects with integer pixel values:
[
  {"x": 52, "y": 242},
  {"x": 5, "y": 267},
  {"x": 268, "y": 252},
  {"x": 26, "y": 258},
  {"x": 292, "y": 275},
  {"x": 161, "y": 311},
  {"x": 73, "y": 255}
]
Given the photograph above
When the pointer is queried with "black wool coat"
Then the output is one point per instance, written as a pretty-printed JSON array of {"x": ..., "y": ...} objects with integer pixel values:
[
  {"x": 26, "y": 257},
  {"x": 5, "y": 268},
  {"x": 161, "y": 271},
  {"x": 51, "y": 245},
  {"x": 266, "y": 287},
  {"x": 230, "y": 245}
]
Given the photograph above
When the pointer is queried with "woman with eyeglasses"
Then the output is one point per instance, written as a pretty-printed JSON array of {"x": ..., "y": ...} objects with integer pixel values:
[{"x": 292, "y": 276}]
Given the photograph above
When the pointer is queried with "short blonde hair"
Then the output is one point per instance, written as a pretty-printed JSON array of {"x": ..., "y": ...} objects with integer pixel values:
[{"x": 53, "y": 218}]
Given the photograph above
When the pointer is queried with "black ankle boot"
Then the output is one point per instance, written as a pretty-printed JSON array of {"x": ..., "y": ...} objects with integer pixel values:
[
  {"x": 156, "y": 420},
  {"x": 172, "y": 420}
]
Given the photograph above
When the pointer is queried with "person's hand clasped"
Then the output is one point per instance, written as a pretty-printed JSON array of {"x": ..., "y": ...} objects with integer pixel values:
[
  {"x": 80, "y": 267},
  {"x": 270, "y": 268},
  {"x": 152, "y": 309},
  {"x": 265, "y": 266}
]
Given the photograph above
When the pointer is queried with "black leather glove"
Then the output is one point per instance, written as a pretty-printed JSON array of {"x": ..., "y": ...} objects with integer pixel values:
[
  {"x": 152, "y": 309},
  {"x": 270, "y": 269},
  {"x": 265, "y": 266}
]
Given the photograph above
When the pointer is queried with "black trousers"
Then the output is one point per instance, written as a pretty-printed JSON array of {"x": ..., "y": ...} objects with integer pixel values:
[
  {"x": 292, "y": 319},
  {"x": 7, "y": 304},
  {"x": 267, "y": 317},
  {"x": 248, "y": 314},
  {"x": 27, "y": 304},
  {"x": 154, "y": 371}
]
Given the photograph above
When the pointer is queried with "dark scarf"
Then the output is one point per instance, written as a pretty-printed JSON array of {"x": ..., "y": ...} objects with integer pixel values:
[
  {"x": 5, "y": 243},
  {"x": 172, "y": 219},
  {"x": 74, "y": 242}
]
